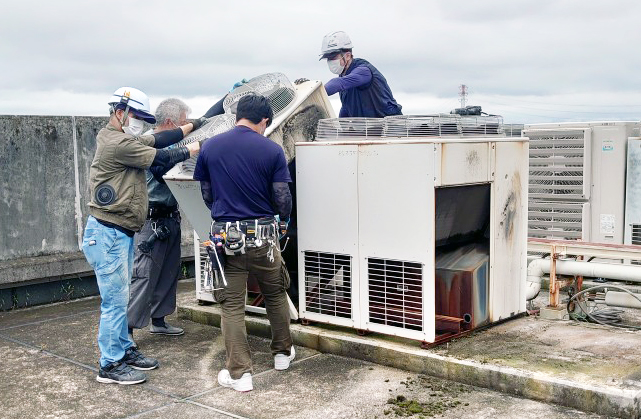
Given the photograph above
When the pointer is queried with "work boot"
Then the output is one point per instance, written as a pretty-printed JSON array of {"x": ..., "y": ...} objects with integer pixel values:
[
  {"x": 243, "y": 384},
  {"x": 120, "y": 373},
  {"x": 135, "y": 359},
  {"x": 281, "y": 361},
  {"x": 166, "y": 329}
]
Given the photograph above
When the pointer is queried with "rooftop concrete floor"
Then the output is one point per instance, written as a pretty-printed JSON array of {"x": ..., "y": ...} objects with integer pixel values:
[{"x": 49, "y": 363}]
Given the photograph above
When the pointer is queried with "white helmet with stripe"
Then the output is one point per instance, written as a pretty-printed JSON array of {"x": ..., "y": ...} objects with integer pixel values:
[{"x": 133, "y": 100}]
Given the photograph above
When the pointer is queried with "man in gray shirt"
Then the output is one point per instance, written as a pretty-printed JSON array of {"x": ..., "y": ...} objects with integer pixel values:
[{"x": 157, "y": 265}]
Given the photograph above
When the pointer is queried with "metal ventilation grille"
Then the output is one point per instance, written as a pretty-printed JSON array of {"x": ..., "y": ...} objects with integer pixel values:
[
  {"x": 636, "y": 234},
  {"x": 442, "y": 125},
  {"x": 328, "y": 284},
  {"x": 203, "y": 263},
  {"x": 217, "y": 125},
  {"x": 555, "y": 220},
  {"x": 333, "y": 129},
  {"x": 556, "y": 164},
  {"x": 274, "y": 86},
  {"x": 395, "y": 293},
  {"x": 281, "y": 98},
  {"x": 636, "y": 239}
]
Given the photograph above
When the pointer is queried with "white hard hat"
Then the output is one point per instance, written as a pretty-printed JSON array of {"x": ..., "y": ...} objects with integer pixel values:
[
  {"x": 135, "y": 101},
  {"x": 333, "y": 42}
]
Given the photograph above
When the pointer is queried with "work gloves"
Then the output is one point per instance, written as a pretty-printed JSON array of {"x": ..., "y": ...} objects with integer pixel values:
[{"x": 199, "y": 123}]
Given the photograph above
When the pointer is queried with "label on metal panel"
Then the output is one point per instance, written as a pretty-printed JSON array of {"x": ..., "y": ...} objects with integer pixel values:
[
  {"x": 608, "y": 145},
  {"x": 607, "y": 223}
]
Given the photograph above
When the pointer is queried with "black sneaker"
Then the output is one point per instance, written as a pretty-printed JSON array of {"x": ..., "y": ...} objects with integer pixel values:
[
  {"x": 120, "y": 373},
  {"x": 135, "y": 359}
]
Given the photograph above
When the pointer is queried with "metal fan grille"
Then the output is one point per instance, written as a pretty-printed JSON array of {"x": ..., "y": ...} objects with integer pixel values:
[
  {"x": 274, "y": 86},
  {"x": 328, "y": 284},
  {"x": 442, "y": 125},
  {"x": 395, "y": 293},
  {"x": 332, "y": 129},
  {"x": 217, "y": 125}
]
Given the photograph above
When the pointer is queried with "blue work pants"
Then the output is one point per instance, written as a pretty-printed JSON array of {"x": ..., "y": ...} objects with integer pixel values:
[{"x": 110, "y": 253}]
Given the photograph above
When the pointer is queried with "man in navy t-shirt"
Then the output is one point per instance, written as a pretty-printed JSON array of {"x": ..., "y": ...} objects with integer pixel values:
[{"x": 244, "y": 182}]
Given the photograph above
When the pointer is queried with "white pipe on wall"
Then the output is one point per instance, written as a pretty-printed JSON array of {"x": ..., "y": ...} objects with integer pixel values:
[{"x": 538, "y": 267}]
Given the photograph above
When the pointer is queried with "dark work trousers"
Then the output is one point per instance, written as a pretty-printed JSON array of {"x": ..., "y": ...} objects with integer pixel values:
[
  {"x": 253, "y": 264},
  {"x": 155, "y": 275}
]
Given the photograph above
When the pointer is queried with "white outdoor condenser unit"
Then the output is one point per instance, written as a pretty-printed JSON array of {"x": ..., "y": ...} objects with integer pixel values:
[
  {"x": 297, "y": 109},
  {"x": 577, "y": 180},
  {"x": 414, "y": 226}
]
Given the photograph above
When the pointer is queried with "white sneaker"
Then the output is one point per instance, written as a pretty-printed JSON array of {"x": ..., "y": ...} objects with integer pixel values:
[
  {"x": 244, "y": 383},
  {"x": 281, "y": 361}
]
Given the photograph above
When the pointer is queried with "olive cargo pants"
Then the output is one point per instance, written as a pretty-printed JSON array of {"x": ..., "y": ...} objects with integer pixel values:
[{"x": 255, "y": 263}]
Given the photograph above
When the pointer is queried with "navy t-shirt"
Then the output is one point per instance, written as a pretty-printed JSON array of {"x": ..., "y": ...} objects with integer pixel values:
[{"x": 241, "y": 166}]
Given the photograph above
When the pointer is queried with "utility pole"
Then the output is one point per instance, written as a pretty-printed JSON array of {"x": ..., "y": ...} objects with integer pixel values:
[{"x": 462, "y": 92}]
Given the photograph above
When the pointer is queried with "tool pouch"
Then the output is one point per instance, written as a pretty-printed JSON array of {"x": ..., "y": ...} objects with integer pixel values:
[{"x": 234, "y": 239}]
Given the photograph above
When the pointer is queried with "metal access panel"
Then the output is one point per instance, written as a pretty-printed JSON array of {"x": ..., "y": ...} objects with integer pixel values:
[
  {"x": 327, "y": 209},
  {"x": 396, "y": 239},
  {"x": 508, "y": 230},
  {"x": 633, "y": 193},
  {"x": 609, "y": 154}
]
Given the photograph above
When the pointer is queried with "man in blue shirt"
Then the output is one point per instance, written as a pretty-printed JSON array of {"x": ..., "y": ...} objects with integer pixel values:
[
  {"x": 244, "y": 182},
  {"x": 363, "y": 90}
]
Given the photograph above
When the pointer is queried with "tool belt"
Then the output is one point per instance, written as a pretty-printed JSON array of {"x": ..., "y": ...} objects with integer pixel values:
[
  {"x": 162, "y": 211},
  {"x": 237, "y": 235}
]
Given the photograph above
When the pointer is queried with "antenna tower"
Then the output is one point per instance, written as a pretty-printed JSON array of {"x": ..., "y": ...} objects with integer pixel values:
[{"x": 462, "y": 92}]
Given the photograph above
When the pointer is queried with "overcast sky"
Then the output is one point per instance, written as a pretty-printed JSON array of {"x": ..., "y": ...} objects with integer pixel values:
[{"x": 530, "y": 61}]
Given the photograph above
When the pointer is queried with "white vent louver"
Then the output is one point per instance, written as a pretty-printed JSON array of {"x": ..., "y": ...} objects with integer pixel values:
[
  {"x": 409, "y": 126},
  {"x": 557, "y": 165},
  {"x": 555, "y": 220},
  {"x": 275, "y": 86},
  {"x": 328, "y": 282},
  {"x": 395, "y": 293},
  {"x": 217, "y": 125}
]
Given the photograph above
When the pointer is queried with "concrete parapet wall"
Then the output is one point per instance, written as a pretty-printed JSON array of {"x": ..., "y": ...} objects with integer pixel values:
[{"x": 44, "y": 191}]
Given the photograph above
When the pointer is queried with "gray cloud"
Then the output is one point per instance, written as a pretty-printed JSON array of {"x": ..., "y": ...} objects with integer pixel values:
[{"x": 553, "y": 52}]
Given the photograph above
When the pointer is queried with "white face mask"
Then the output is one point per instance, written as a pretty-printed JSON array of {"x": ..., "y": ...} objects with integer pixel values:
[
  {"x": 135, "y": 127},
  {"x": 335, "y": 66}
]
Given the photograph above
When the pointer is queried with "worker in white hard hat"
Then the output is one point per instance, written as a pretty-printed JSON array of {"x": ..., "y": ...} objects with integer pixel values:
[
  {"x": 118, "y": 209},
  {"x": 363, "y": 90}
]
